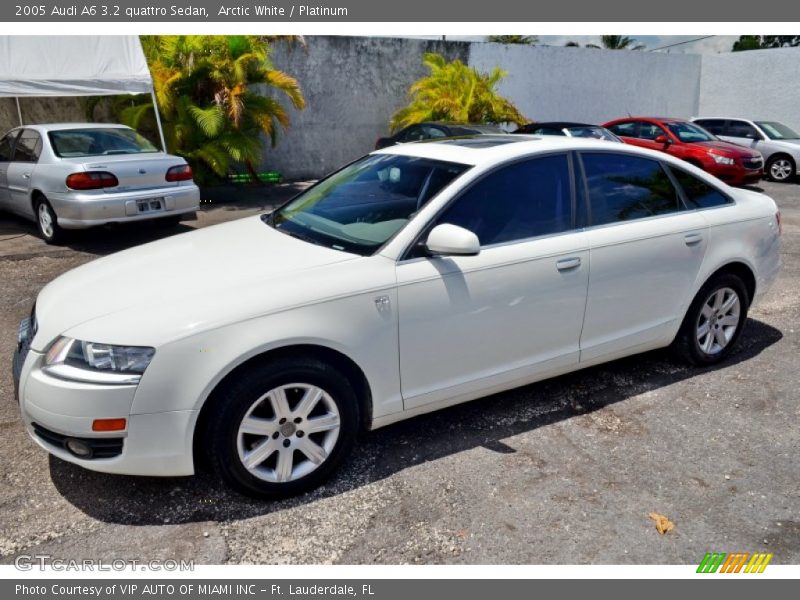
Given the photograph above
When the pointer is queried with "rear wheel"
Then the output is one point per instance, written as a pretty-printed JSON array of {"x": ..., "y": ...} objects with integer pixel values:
[
  {"x": 780, "y": 168},
  {"x": 282, "y": 429},
  {"x": 714, "y": 321},
  {"x": 47, "y": 222}
]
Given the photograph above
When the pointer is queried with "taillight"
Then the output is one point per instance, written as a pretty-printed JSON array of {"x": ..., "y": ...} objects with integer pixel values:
[
  {"x": 91, "y": 180},
  {"x": 179, "y": 173},
  {"x": 778, "y": 221}
]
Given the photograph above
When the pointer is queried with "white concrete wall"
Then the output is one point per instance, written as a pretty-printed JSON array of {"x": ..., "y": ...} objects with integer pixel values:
[
  {"x": 591, "y": 85},
  {"x": 757, "y": 84}
]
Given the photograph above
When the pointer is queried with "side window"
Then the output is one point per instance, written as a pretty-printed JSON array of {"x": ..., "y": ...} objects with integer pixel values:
[
  {"x": 7, "y": 145},
  {"x": 742, "y": 129},
  {"x": 430, "y": 133},
  {"x": 715, "y": 126},
  {"x": 623, "y": 187},
  {"x": 519, "y": 201},
  {"x": 627, "y": 129},
  {"x": 649, "y": 131},
  {"x": 698, "y": 193},
  {"x": 29, "y": 147},
  {"x": 549, "y": 131},
  {"x": 411, "y": 134}
]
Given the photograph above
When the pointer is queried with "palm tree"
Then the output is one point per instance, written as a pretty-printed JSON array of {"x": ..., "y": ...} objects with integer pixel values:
[
  {"x": 207, "y": 91},
  {"x": 530, "y": 40},
  {"x": 457, "y": 93},
  {"x": 617, "y": 42}
]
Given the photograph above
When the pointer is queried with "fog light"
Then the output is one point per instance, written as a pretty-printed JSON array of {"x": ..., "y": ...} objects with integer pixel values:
[{"x": 78, "y": 447}]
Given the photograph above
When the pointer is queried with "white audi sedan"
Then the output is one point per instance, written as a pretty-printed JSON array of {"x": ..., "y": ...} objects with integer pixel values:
[
  {"x": 415, "y": 278},
  {"x": 77, "y": 175}
]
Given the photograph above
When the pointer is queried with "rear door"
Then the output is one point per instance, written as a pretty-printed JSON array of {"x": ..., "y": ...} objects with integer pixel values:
[
  {"x": 645, "y": 249},
  {"x": 6, "y": 154},
  {"x": 513, "y": 313},
  {"x": 20, "y": 171}
]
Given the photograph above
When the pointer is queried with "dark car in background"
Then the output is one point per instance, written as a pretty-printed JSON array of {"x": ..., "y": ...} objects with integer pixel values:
[
  {"x": 569, "y": 129},
  {"x": 433, "y": 130},
  {"x": 732, "y": 163}
]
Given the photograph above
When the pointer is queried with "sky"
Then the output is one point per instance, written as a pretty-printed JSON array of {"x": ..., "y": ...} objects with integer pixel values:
[{"x": 687, "y": 43}]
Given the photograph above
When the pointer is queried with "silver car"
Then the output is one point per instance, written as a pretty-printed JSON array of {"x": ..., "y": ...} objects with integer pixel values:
[
  {"x": 78, "y": 175},
  {"x": 778, "y": 143}
]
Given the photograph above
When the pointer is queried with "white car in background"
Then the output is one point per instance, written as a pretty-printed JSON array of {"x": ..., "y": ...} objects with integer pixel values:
[
  {"x": 78, "y": 175},
  {"x": 417, "y": 277},
  {"x": 779, "y": 144}
]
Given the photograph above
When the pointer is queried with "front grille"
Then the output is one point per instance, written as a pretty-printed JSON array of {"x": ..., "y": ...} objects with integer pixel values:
[
  {"x": 752, "y": 163},
  {"x": 101, "y": 447}
]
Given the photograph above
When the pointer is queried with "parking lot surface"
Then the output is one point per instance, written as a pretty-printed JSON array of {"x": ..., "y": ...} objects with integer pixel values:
[{"x": 563, "y": 471}]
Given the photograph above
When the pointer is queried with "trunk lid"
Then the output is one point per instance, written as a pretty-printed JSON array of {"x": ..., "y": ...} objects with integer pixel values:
[{"x": 135, "y": 172}]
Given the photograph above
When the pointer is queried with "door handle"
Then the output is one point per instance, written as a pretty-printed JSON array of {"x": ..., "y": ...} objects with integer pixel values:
[
  {"x": 565, "y": 264},
  {"x": 692, "y": 238},
  {"x": 26, "y": 175}
]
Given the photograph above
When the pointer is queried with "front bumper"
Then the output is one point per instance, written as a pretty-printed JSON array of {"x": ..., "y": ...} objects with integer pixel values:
[
  {"x": 737, "y": 174},
  {"x": 55, "y": 410},
  {"x": 81, "y": 210}
]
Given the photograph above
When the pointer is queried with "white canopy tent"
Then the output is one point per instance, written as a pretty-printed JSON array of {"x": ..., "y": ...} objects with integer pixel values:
[{"x": 80, "y": 65}]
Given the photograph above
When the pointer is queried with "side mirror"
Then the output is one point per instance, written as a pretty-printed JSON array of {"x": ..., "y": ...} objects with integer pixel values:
[
  {"x": 662, "y": 139},
  {"x": 452, "y": 240}
]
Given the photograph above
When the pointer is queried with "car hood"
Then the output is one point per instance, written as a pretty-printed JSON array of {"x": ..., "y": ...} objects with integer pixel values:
[
  {"x": 181, "y": 284},
  {"x": 728, "y": 149}
]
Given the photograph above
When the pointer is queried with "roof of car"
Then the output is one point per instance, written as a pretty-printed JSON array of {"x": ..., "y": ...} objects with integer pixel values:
[
  {"x": 63, "y": 126},
  {"x": 559, "y": 124},
  {"x": 640, "y": 118},
  {"x": 487, "y": 149}
]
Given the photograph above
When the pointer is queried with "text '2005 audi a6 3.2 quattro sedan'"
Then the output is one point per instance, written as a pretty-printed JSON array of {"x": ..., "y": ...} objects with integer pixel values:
[
  {"x": 73, "y": 176},
  {"x": 412, "y": 279}
]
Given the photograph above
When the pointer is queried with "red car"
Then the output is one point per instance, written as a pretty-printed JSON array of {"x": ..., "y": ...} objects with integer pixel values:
[{"x": 732, "y": 163}]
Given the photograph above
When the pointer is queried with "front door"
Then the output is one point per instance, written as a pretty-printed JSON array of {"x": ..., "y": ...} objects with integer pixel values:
[{"x": 470, "y": 325}]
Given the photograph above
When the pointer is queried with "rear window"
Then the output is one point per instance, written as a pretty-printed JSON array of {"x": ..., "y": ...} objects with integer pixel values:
[{"x": 69, "y": 143}]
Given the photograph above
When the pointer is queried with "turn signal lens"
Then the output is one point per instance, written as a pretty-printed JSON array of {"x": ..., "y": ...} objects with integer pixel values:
[
  {"x": 179, "y": 173},
  {"x": 109, "y": 424},
  {"x": 91, "y": 180}
]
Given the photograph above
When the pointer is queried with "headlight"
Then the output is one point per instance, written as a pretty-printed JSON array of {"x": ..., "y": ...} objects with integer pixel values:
[
  {"x": 722, "y": 160},
  {"x": 93, "y": 362}
]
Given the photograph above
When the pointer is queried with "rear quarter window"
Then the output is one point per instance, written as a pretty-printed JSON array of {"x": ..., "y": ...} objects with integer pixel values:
[{"x": 697, "y": 192}]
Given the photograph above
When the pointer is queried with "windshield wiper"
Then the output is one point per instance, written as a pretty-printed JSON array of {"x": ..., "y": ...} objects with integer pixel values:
[{"x": 302, "y": 237}]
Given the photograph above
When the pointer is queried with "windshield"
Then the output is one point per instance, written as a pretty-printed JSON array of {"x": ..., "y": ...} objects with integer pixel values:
[
  {"x": 689, "y": 132},
  {"x": 778, "y": 131},
  {"x": 69, "y": 143},
  {"x": 598, "y": 133},
  {"x": 360, "y": 207}
]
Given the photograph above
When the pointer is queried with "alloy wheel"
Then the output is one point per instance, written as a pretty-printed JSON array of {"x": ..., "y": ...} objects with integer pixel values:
[
  {"x": 781, "y": 169},
  {"x": 45, "y": 220},
  {"x": 718, "y": 320},
  {"x": 288, "y": 432}
]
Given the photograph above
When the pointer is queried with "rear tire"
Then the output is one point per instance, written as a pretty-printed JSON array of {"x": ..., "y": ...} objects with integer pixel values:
[
  {"x": 281, "y": 428},
  {"x": 47, "y": 221},
  {"x": 714, "y": 321}
]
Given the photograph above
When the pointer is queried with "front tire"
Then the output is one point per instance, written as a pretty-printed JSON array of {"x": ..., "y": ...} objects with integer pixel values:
[
  {"x": 714, "y": 321},
  {"x": 780, "y": 169},
  {"x": 47, "y": 222},
  {"x": 282, "y": 428}
]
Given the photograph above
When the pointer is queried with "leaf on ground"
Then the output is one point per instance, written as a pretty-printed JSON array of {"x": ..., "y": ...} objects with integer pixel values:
[{"x": 663, "y": 524}]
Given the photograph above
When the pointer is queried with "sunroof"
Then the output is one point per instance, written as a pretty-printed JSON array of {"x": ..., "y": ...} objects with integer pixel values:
[{"x": 483, "y": 141}]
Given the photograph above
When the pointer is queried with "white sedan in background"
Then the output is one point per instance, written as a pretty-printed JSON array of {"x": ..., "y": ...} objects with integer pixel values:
[
  {"x": 415, "y": 278},
  {"x": 78, "y": 175}
]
